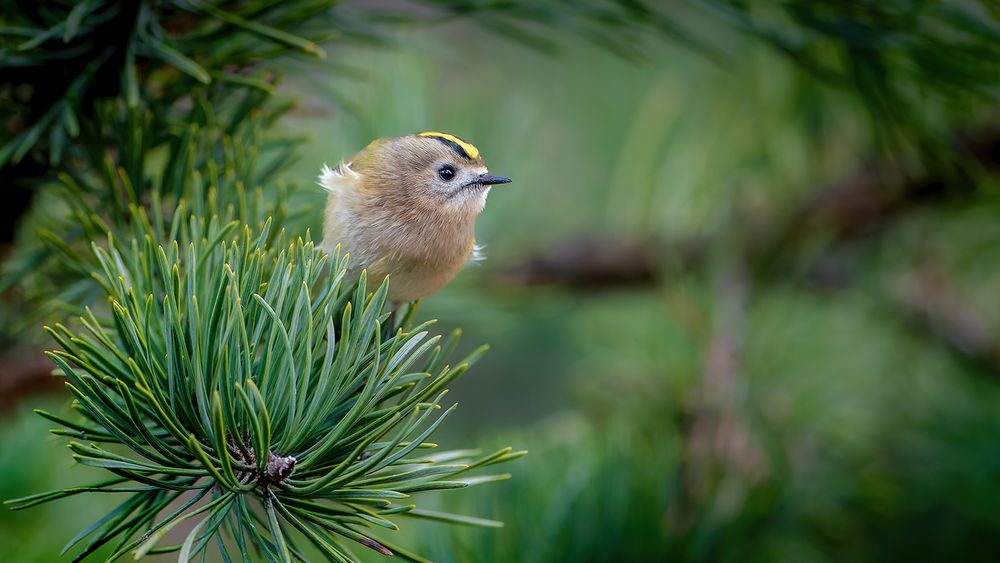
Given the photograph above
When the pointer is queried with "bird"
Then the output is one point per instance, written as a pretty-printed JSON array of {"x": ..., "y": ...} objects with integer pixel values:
[{"x": 405, "y": 207}]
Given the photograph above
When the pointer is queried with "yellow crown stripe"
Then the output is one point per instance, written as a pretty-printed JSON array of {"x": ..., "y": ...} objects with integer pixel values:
[{"x": 470, "y": 150}]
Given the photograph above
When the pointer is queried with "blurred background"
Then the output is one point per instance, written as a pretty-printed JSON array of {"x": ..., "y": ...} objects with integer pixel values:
[{"x": 743, "y": 296}]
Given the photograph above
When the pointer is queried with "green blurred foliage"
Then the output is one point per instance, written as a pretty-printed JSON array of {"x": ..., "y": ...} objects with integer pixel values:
[
  {"x": 876, "y": 442},
  {"x": 869, "y": 440}
]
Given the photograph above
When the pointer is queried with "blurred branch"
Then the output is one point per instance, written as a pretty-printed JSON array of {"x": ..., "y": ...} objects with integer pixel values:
[
  {"x": 594, "y": 262},
  {"x": 851, "y": 209},
  {"x": 869, "y": 201},
  {"x": 930, "y": 300},
  {"x": 24, "y": 372},
  {"x": 719, "y": 442}
]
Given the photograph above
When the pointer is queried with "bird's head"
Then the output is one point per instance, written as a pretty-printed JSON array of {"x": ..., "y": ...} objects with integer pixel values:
[{"x": 427, "y": 170}]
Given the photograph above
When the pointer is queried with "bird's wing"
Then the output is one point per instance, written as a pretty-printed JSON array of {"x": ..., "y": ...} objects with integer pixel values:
[{"x": 334, "y": 180}]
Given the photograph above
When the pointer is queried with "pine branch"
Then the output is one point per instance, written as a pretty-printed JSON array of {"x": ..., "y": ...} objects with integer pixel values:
[
  {"x": 238, "y": 370},
  {"x": 216, "y": 360}
]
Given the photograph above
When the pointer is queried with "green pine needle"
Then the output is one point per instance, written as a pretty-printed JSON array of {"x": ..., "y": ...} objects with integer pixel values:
[{"x": 249, "y": 374}]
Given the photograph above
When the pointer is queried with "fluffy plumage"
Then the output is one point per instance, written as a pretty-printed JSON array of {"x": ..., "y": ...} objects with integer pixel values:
[{"x": 406, "y": 207}]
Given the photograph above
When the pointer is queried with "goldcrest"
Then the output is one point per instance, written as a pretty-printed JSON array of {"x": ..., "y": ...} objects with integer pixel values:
[{"x": 406, "y": 207}]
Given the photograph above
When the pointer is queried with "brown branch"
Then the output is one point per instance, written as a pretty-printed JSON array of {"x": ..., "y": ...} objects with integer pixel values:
[
  {"x": 930, "y": 300},
  {"x": 599, "y": 262},
  {"x": 589, "y": 263},
  {"x": 24, "y": 372},
  {"x": 719, "y": 441},
  {"x": 845, "y": 211}
]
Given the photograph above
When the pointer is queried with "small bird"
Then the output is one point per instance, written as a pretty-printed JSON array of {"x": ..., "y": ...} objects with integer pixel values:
[{"x": 406, "y": 207}]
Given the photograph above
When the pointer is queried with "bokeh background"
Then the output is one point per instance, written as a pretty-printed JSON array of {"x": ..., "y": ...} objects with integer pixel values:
[{"x": 739, "y": 309}]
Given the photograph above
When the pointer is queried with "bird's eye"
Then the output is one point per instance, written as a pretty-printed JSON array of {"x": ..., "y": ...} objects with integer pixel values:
[{"x": 446, "y": 172}]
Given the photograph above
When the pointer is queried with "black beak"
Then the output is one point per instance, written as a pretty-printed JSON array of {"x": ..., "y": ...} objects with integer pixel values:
[{"x": 487, "y": 180}]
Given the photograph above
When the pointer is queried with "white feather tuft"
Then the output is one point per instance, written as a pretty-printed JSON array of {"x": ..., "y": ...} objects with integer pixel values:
[
  {"x": 478, "y": 254},
  {"x": 331, "y": 179}
]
